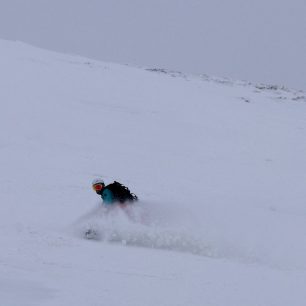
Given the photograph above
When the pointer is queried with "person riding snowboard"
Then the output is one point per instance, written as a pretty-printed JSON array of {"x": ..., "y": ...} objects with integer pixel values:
[{"x": 113, "y": 193}]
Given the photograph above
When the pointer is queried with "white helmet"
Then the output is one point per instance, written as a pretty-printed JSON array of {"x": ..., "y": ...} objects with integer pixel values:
[{"x": 97, "y": 181}]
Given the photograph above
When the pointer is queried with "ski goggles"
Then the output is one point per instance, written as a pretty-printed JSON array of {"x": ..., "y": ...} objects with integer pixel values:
[{"x": 97, "y": 187}]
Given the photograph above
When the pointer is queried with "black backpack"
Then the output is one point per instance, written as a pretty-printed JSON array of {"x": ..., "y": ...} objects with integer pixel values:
[{"x": 121, "y": 193}]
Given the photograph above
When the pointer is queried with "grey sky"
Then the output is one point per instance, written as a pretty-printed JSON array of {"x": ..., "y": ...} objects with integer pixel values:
[{"x": 258, "y": 40}]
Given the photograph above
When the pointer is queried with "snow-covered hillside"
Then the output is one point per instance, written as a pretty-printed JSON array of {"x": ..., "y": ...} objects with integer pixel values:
[{"x": 219, "y": 167}]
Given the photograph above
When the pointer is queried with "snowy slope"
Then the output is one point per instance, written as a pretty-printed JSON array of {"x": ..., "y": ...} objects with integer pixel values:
[{"x": 219, "y": 167}]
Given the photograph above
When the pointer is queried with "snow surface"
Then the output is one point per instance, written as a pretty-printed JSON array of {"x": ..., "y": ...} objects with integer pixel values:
[{"x": 219, "y": 166}]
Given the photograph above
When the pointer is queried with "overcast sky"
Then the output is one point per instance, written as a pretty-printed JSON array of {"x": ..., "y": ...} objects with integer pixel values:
[{"x": 257, "y": 40}]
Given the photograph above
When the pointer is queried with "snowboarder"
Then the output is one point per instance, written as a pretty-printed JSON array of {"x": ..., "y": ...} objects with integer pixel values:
[{"x": 113, "y": 193}]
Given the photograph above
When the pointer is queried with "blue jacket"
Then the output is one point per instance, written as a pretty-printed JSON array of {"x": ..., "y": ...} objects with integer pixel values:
[{"x": 107, "y": 196}]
